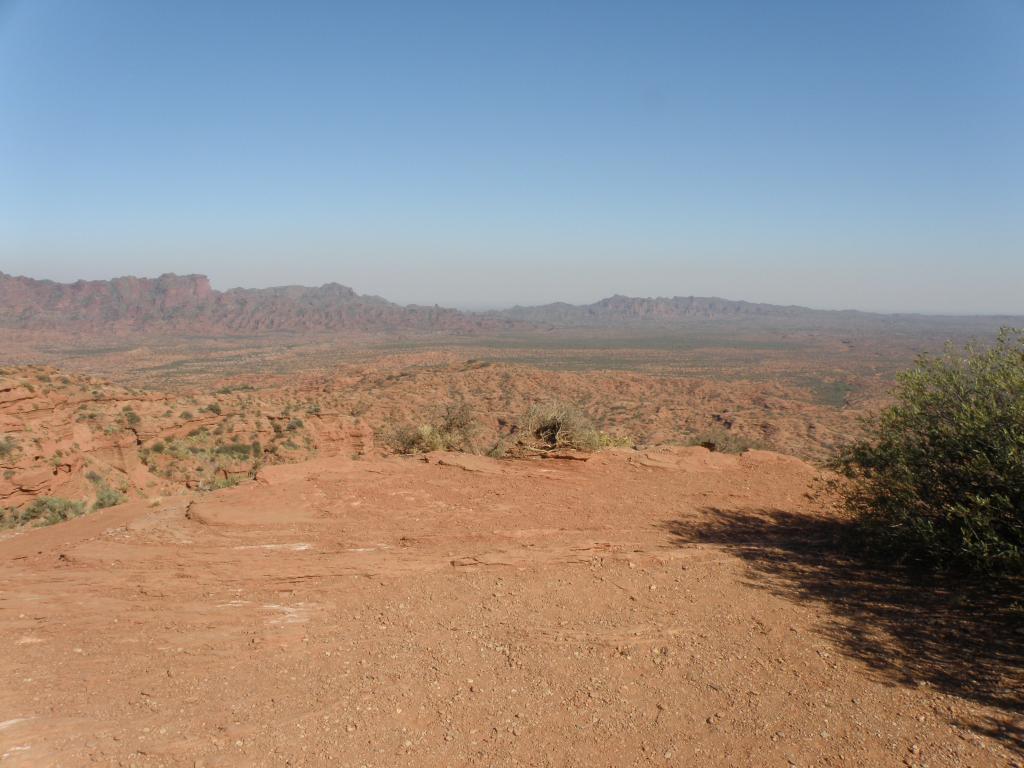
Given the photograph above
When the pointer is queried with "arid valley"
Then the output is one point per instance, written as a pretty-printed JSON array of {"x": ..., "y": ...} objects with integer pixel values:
[{"x": 230, "y": 546}]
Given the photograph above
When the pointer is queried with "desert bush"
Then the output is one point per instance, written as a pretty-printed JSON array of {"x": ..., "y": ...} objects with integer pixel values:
[
  {"x": 725, "y": 441},
  {"x": 940, "y": 478},
  {"x": 500, "y": 449},
  {"x": 47, "y": 510},
  {"x": 455, "y": 430},
  {"x": 411, "y": 439},
  {"x": 237, "y": 451},
  {"x": 458, "y": 427},
  {"x": 551, "y": 426},
  {"x": 107, "y": 497},
  {"x": 8, "y": 446}
]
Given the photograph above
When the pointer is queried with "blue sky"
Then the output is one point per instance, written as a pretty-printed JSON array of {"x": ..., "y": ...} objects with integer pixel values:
[{"x": 859, "y": 154}]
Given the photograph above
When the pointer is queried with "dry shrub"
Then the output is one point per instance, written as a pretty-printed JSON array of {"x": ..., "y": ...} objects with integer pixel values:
[
  {"x": 454, "y": 430},
  {"x": 558, "y": 426},
  {"x": 725, "y": 441}
]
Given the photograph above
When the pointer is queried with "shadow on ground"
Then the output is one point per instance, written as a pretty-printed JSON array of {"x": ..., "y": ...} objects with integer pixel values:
[{"x": 962, "y": 638}]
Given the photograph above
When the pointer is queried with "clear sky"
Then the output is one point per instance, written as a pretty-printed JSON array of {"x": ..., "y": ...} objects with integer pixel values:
[{"x": 833, "y": 154}]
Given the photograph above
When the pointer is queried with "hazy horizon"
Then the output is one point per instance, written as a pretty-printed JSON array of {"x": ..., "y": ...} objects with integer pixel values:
[
  {"x": 833, "y": 156},
  {"x": 471, "y": 306}
]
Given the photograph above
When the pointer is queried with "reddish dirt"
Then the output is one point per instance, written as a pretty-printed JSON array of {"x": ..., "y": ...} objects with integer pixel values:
[{"x": 667, "y": 607}]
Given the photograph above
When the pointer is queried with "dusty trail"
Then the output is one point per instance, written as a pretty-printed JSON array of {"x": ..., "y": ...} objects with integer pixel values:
[{"x": 460, "y": 611}]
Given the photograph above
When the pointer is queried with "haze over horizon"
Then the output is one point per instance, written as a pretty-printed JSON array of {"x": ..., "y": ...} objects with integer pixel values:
[
  {"x": 478, "y": 307},
  {"x": 860, "y": 156}
]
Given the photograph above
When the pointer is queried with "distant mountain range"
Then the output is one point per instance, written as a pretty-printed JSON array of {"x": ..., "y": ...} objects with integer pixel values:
[
  {"x": 627, "y": 310},
  {"x": 187, "y": 304}
]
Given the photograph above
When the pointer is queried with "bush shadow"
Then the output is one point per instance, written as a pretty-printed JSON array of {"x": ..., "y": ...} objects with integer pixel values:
[{"x": 964, "y": 638}]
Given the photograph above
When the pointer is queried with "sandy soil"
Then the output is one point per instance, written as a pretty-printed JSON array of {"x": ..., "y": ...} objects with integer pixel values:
[{"x": 669, "y": 607}]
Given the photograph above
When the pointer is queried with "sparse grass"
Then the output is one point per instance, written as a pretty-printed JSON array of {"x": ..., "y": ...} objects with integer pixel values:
[
  {"x": 238, "y": 388},
  {"x": 217, "y": 483}
]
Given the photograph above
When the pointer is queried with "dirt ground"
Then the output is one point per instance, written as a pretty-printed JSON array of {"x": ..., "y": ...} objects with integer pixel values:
[{"x": 661, "y": 607}]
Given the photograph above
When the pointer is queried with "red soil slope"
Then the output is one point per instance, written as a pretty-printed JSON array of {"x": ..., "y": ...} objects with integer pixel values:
[{"x": 673, "y": 607}]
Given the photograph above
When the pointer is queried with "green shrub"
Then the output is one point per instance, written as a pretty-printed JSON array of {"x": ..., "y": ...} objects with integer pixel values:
[
  {"x": 234, "y": 450},
  {"x": 107, "y": 497},
  {"x": 940, "y": 479},
  {"x": 47, "y": 510}
]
